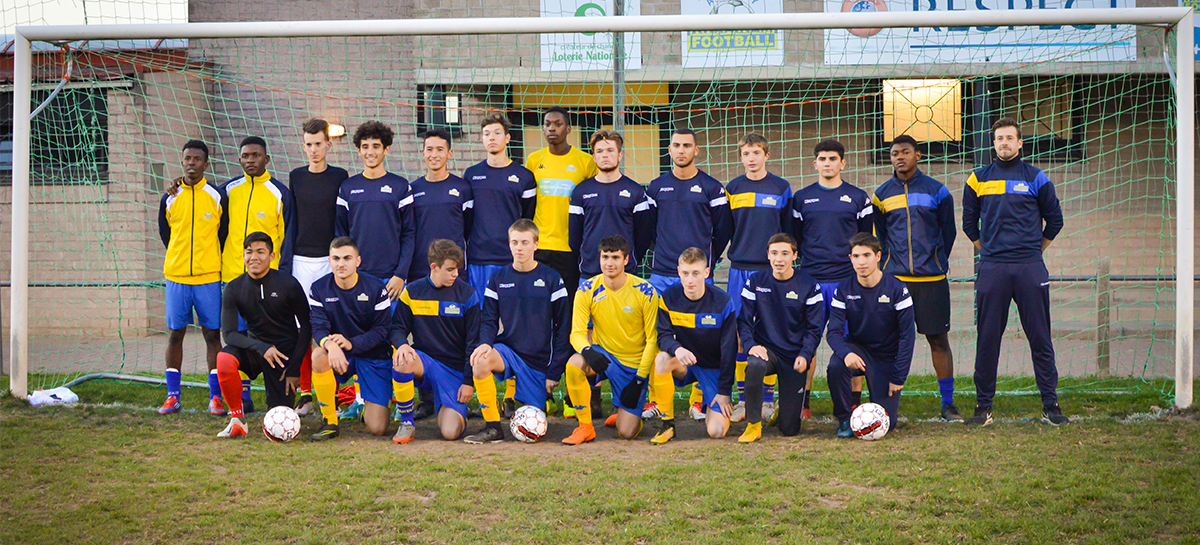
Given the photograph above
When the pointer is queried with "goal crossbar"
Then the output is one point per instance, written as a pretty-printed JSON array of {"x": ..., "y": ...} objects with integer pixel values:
[{"x": 1178, "y": 19}]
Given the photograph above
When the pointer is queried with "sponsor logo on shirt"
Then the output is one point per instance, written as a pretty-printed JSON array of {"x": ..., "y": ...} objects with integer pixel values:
[
  {"x": 696, "y": 189},
  {"x": 792, "y": 295},
  {"x": 624, "y": 193},
  {"x": 810, "y": 201},
  {"x": 885, "y": 299},
  {"x": 385, "y": 189},
  {"x": 363, "y": 297},
  {"x": 452, "y": 309},
  {"x": 514, "y": 179},
  {"x": 539, "y": 283},
  {"x": 473, "y": 178},
  {"x": 846, "y": 198},
  {"x": 454, "y": 192},
  {"x": 356, "y": 191},
  {"x": 590, "y": 195},
  {"x": 570, "y": 168},
  {"x": 261, "y": 214},
  {"x": 505, "y": 286}
]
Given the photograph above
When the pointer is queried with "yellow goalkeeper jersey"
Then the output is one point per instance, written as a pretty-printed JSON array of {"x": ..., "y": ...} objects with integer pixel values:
[
  {"x": 623, "y": 321},
  {"x": 557, "y": 176}
]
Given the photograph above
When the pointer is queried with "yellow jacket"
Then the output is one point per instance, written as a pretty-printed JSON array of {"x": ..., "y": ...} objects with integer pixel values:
[
  {"x": 258, "y": 204},
  {"x": 192, "y": 227}
]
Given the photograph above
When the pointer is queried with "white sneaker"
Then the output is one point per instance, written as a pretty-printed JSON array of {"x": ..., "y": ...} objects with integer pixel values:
[
  {"x": 697, "y": 411},
  {"x": 236, "y": 428},
  {"x": 769, "y": 413},
  {"x": 305, "y": 410},
  {"x": 739, "y": 412}
]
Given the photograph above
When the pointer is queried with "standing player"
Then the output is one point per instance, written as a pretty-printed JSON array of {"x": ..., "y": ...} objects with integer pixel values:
[
  {"x": 914, "y": 220},
  {"x": 192, "y": 229},
  {"x": 315, "y": 189},
  {"x": 442, "y": 203},
  {"x": 760, "y": 204},
  {"x": 697, "y": 333},
  {"x": 273, "y": 345},
  {"x": 871, "y": 333},
  {"x": 1011, "y": 214},
  {"x": 608, "y": 204},
  {"x": 442, "y": 315},
  {"x": 780, "y": 327},
  {"x": 824, "y": 217},
  {"x": 351, "y": 320},
  {"x": 623, "y": 311},
  {"x": 531, "y": 301},
  {"x": 690, "y": 210},
  {"x": 504, "y": 192}
]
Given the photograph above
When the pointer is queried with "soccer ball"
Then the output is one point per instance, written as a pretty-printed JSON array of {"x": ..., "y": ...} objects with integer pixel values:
[
  {"x": 869, "y": 422},
  {"x": 281, "y": 424},
  {"x": 528, "y": 425}
]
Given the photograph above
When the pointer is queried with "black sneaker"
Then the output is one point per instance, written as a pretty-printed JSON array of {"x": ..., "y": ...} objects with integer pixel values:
[
  {"x": 487, "y": 435},
  {"x": 1053, "y": 415},
  {"x": 327, "y": 432},
  {"x": 983, "y": 417},
  {"x": 424, "y": 410},
  {"x": 508, "y": 409},
  {"x": 950, "y": 413}
]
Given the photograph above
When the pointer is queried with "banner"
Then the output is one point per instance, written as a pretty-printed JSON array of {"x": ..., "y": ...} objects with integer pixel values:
[
  {"x": 727, "y": 48},
  {"x": 978, "y": 44},
  {"x": 592, "y": 50},
  {"x": 1195, "y": 5}
]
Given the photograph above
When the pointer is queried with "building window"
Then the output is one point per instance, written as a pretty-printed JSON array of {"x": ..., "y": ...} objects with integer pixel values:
[
  {"x": 929, "y": 110},
  {"x": 69, "y": 141},
  {"x": 439, "y": 109}
]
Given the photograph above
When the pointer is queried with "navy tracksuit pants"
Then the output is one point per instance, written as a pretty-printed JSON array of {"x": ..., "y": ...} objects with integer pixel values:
[
  {"x": 997, "y": 285},
  {"x": 878, "y": 373}
]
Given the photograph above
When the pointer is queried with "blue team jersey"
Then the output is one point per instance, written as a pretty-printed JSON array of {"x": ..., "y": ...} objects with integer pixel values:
[
  {"x": 502, "y": 196},
  {"x": 361, "y": 314},
  {"x": 687, "y": 213},
  {"x": 914, "y": 221},
  {"x": 707, "y": 327},
  {"x": 823, "y": 222},
  {"x": 377, "y": 214},
  {"x": 760, "y": 210},
  {"x": 601, "y": 210},
  {"x": 444, "y": 323},
  {"x": 440, "y": 210},
  {"x": 784, "y": 316},
  {"x": 1017, "y": 207},
  {"x": 535, "y": 311},
  {"x": 878, "y": 319}
]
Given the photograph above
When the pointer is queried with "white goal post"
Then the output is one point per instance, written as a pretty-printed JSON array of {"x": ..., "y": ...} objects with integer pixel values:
[{"x": 1178, "y": 19}]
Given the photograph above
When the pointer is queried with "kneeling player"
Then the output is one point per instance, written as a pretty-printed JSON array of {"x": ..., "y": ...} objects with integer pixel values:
[
  {"x": 531, "y": 301},
  {"x": 273, "y": 345},
  {"x": 623, "y": 310},
  {"x": 780, "y": 325},
  {"x": 871, "y": 332},
  {"x": 443, "y": 316},
  {"x": 351, "y": 319},
  {"x": 689, "y": 316}
]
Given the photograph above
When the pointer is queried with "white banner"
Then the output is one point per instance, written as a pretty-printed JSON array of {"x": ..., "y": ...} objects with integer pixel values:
[
  {"x": 727, "y": 48},
  {"x": 978, "y": 44},
  {"x": 1195, "y": 5},
  {"x": 587, "y": 51}
]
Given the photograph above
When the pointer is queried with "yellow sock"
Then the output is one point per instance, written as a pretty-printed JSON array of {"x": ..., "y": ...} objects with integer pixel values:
[
  {"x": 581, "y": 394},
  {"x": 243, "y": 375},
  {"x": 325, "y": 389},
  {"x": 663, "y": 387},
  {"x": 357, "y": 388},
  {"x": 404, "y": 392},
  {"x": 485, "y": 389},
  {"x": 739, "y": 377},
  {"x": 697, "y": 396},
  {"x": 510, "y": 389}
]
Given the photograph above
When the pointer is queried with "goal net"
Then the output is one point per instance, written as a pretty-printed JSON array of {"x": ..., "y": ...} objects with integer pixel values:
[{"x": 1096, "y": 103}]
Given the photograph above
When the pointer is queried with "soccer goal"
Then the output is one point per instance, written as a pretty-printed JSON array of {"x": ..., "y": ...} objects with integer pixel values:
[{"x": 1105, "y": 98}]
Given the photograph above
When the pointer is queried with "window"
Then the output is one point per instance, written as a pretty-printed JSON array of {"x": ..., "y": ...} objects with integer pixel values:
[
  {"x": 69, "y": 141},
  {"x": 929, "y": 110},
  {"x": 439, "y": 109}
]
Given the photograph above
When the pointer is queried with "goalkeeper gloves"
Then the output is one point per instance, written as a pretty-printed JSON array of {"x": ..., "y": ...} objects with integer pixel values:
[
  {"x": 631, "y": 395},
  {"x": 594, "y": 359}
]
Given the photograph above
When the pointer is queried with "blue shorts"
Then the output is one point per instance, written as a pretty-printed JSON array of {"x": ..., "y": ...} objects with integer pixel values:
[
  {"x": 479, "y": 275},
  {"x": 661, "y": 283},
  {"x": 241, "y": 323},
  {"x": 444, "y": 382},
  {"x": 737, "y": 281},
  {"x": 374, "y": 379},
  {"x": 827, "y": 289},
  {"x": 619, "y": 376},
  {"x": 531, "y": 383},
  {"x": 182, "y": 298},
  {"x": 706, "y": 380}
]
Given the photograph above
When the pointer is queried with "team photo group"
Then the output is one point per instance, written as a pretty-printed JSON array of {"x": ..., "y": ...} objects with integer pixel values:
[{"x": 518, "y": 285}]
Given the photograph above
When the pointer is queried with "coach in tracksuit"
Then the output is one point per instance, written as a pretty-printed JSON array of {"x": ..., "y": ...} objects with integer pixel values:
[{"x": 1011, "y": 214}]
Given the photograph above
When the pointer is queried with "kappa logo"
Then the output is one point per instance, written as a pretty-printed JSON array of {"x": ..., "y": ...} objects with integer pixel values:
[
  {"x": 810, "y": 201},
  {"x": 587, "y": 196},
  {"x": 356, "y": 191},
  {"x": 539, "y": 283},
  {"x": 363, "y": 297},
  {"x": 570, "y": 168},
  {"x": 846, "y": 198},
  {"x": 853, "y": 297},
  {"x": 331, "y": 299},
  {"x": 473, "y": 178},
  {"x": 514, "y": 179},
  {"x": 696, "y": 189},
  {"x": 792, "y": 295},
  {"x": 261, "y": 215},
  {"x": 885, "y": 299},
  {"x": 385, "y": 189},
  {"x": 506, "y": 286},
  {"x": 708, "y": 320},
  {"x": 666, "y": 189},
  {"x": 453, "y": 192},
  {"x": 452, "y": 309},
  {"x": 1021, "y": 187},
  {"x": 624, "y": 193},
  {"x": 769, "y": 201},
  {"x": 208, "y": 215},
  {"x": 418, "y": 195},
  {"x": 761, "y": 289},
  {"x": 541, "y": 167}
]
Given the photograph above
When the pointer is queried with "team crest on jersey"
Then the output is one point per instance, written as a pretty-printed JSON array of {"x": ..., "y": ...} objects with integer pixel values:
[
  {"x": 452, "y": 309},
  {"x": 261, "y": 214},
  {"x": 363, "y": 297},
  {"x": 769, "y": 201},
  {"x": 624, "y": 193},
  {"x": 708, "y": 320},
  {"x": 696, "y": 189},
  {"x": 885, "y": 299},
  {"x": 208, "y": 215},
  {"x": 792, "y": 295},
  {"x": 514, "y": 179},
  {"x": 385, "y": 189},
  {"x": 273, "y": 294},
  {"x": 454, "y": 192},
  {"x": 846, "y": 198},
  {"x": 628, "y": 309},
  {"x": 539, "y": 283},
  {"x": 1021, "y": 187},
  {"x": 570, "y": 168}
]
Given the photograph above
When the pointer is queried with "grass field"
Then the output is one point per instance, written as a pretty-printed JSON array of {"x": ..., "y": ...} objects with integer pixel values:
[{"x": 111, "y": 470}]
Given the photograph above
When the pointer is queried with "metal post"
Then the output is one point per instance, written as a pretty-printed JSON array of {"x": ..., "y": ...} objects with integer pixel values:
[
  {"x": 19, "y": 294},
  {"x": 618, "y": 74},
  {"x": 1185, "y": 212},
  {"x": 1103, "y": 330}
]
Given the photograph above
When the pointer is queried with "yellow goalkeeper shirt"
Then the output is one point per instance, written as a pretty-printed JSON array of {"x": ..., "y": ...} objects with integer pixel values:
[
  {"x": 557, "y": 176},
  {"x": 623, "y": 321}
]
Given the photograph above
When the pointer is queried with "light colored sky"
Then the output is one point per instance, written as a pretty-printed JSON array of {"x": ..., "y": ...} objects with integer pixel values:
[{"x": 75, "y": 12}]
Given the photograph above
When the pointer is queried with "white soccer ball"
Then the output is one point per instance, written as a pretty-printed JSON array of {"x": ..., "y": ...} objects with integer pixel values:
[
  {"x": 528, "y": 425},
  {"x": 869, "y": 422},
  {"x": 281, "y": 424}
]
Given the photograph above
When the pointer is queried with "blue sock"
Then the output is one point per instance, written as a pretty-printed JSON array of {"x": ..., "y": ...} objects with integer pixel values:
[
  {"x": 214, "y": 386},
  {"x": 946, "y": 387},
  {"x": 173, "y": 382},
  {"x": 245, "y": 390}
]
